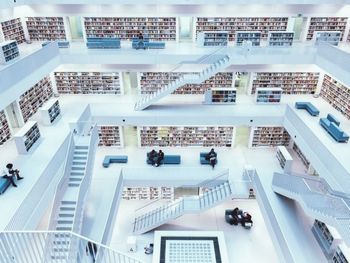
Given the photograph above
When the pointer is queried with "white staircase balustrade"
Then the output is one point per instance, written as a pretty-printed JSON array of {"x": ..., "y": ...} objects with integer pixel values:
[
  {"x": 30, "y": 247},
  {"x": 218, "y": 190},
  {"x": 67, "y": 214},
  {"x": 317, "y": 200},
  {"x": 219, "y": 62}
]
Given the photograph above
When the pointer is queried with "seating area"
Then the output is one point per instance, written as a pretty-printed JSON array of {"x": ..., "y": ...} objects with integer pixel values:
[
  {"x": 61, "y": 44},
  {"x": 114, "y": 159},
  {"x": 4, "y": 184},
  {"x": 331, "y": 125},
  {"x": 147, "y": 44},
  {"x": 168, "y": 159},
  {"x": 202, "y": 159},
  {"x": 109, "y": 43},
  {"x": 309, "y": 107}
]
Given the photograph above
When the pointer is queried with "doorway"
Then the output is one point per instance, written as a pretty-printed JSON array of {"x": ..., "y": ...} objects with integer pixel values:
[
  {"x": 185, "y": 29},
  {"x": 185, "y": 191},
  {"x": 130, "y": 136},
  {"x": 76, "y": 28},
  {"x": 242, "y": 82},
  {"x": 242, "y": 136},
  {"x": 14, "y": 116},
  {"x": 299, "y": 27}
]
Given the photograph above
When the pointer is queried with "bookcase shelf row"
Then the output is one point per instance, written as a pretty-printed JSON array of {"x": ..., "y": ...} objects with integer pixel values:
[
  {"x": 8, "y": 51},
  {"x": 336, "y": 94},
  {"x": 151, "y": 82},
  {"x": 46, "y": 28},
  {"x": 13, "y": 30},
  {"x": 148, "y": 193},
  {"x": 5, "y": 133},
  {"x": 110, "y": 136},
  {"x": 301, "y": 156},
  {"x": 281, "y": 39},
  {"x": 35, "y": 97},
  {"x": 26, "y": 137},
  {"x": 173, "y": 136},
  {"x": 88, "y": 82},
  {"x": 233, "y": 24},
  {"x": 289, "y": 82},
  {"x": 127, "y": 28},
  {"x": 326, "y": 24},
  {"x": 268, "y": 136}
]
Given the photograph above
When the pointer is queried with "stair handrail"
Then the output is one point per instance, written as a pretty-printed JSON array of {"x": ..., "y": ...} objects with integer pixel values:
[
  {"x": 18, "y": 243},
  {"x": 199, "y": 61},
  {"x": 209, "y": 181},
  {"x": 62, "y": 184}
]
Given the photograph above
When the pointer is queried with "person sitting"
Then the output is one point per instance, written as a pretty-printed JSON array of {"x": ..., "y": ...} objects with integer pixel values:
[
  {"x": 160, "y": 158},
  {"x": 140, "y": 44},
  {"x": 152, "y": 156},
  {"x": 211, "y": 157},
  {"x": 13, "y": 172},
  {"x": 149, "y": 249}
]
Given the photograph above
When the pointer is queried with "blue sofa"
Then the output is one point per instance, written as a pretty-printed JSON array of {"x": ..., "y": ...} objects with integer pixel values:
[
  {"x": 147, "y": 44},
  {"x": 311, "y": 109},
  {"x": 4, "y": 184},
  {"x": 114, "y": 159},
  {"x": 95, "y": 42},
  {"x": 61, "y": 44},
  {"x": 202, "y": 156},
  {"x": 331, "y": 125},
  {"x": 168, "y": 159}
]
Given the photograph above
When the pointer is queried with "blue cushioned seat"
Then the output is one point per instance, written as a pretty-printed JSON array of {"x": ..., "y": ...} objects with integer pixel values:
[
  {"x": 114, "y": 159},
  {"x": 309, "y": 107},
  {"x": 95, "y": 42},
  {"x": 147, "y": 44},
  {"x": 169, "y": 159},
  {"x": 331, "y": 118},
  {"x": 4, "y": 184},
  {"x": 333, "y": 128}
]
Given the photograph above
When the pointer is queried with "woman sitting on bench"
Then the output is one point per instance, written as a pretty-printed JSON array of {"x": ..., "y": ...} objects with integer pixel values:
[
  {"x": 152, "y": 157},
  {"x": 211, "y": 157},
  {"x": 160, "y": 158},
  {"x": 11, "y": 173}
]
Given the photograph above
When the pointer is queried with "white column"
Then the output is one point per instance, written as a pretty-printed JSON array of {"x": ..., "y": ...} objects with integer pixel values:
[
  {"x": 319, "y": 83},
  {"x": 66, "y": 23},
  {"x": 121, "y": 83},
  {"x": 347, "y": 31},
  {"x": 25, "y": 28}
]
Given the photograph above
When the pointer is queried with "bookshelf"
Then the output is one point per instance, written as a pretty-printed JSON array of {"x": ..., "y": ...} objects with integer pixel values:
[
  {"x": 284, "y": 158},
  {"x": 110, "y": 136},
  {"x": 326, "y": 24},
  {"x": 233, "y": 24},
  {"x": 252, "y": 36},
  {"x": 5, "y": 132},
  {"x": 341, "y": 254},
  {"x": 327, "y": 237},
  {"x": 330, "y": 37},
  {"x": 268, "y": 95},
  {"x": 13, "y": 30},
  {"x": 212, "y": 38},
  {"x": 220, "y": 96},
  {"x": 46, "y": 28},
  {"x": 148, "y": 193},
  {"x": 281, "y": 39},
  {"x": 88, "y": 82},
  {"x": 301, "y": 156},
  {"x": 26, "y": 137},
  {"x": 268, "y": 136},
  {"x": 127, "y": 28},
  {"x": 336, "y": 94},
  {"x": 289, "y": 82},
  {"x": 188, "y": 136},
  {"x": 50, "y": 111},
  {"x": 35, "y": 97},
  {"x": 151, "y": 82},
  {"x": 8, "y": 51}
]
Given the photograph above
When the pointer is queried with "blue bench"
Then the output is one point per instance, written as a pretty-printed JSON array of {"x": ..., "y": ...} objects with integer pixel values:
[
  {"x": 147, "y": 44},
  {"x": 95, "y": 42},
  {"x": 61, "y": 44},
  {"x": 169, "y": 159},
  {"x": 331, "y": 125},
  {"x": 4, "y": 184},
  {"x": 311, "y": 109},
  {"x": 114, "y": 159},
  {"x": 202, "y": 156}
]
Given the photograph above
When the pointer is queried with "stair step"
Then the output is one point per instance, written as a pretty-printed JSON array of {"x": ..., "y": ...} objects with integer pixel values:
[
  {"x": 64, "y": 228},
  {"x": 73, "y": 185},
  {"x": 77, "y": 174},
  {"x": 81, "y": 147},
  {"x": 79, "y": 163},
  {"x": 72, "y": 179},
  {"x": 80, "y": 158},
  {"x": 65, "y": 208},
  {"x": 61, "y": 242},
  {"x": 65, "y": 215},
  {"x": 60, "y": 257},
  {"x": 64, "y": 222},
  {"x": 75, "y": 168},
  {"x": 68, "y": 202},
  {"x": 61, "y": 249},
  {"x": 80, "y": 153}
]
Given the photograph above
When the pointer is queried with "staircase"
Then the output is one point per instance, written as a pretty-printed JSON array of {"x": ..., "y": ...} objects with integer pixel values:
[
  {"x": 220, "y": 62},
  {"x": 67, "y": 214},
  {"x": 185, "y": 205},
  {"x": 317, "y": 199}
]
